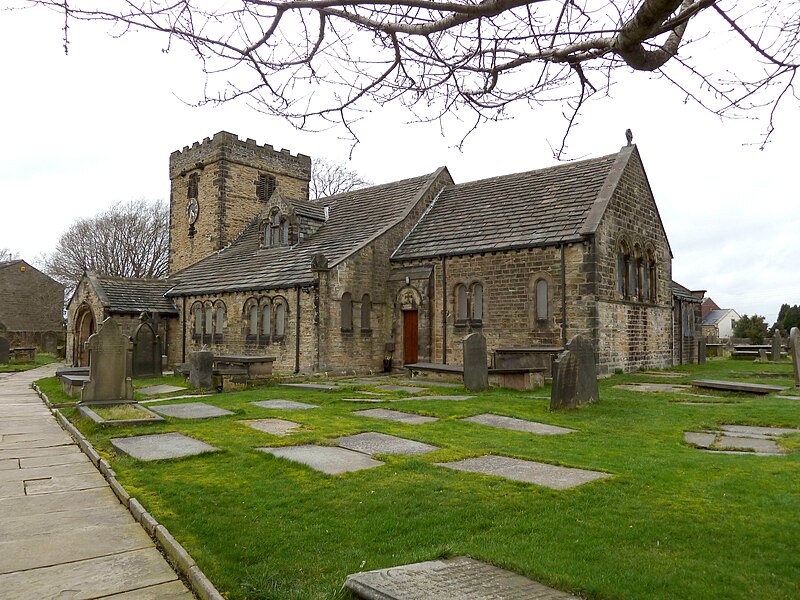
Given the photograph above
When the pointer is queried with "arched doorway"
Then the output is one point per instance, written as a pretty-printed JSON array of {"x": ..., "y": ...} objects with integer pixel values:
[{"x": 85, "y": 326}]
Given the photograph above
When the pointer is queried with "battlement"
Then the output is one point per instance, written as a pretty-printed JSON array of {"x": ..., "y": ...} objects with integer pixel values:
[{"x": 225, "y": 145}]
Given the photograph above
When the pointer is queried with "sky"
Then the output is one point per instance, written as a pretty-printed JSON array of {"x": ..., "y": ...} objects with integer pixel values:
[{"x": 83, "y": 131}]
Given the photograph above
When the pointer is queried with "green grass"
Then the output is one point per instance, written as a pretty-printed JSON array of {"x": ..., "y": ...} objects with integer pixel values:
[
  {"x": 119, "y": 412},
  {"x": 672, "y": 522},
  {"x": 41, "y": 360},
  {"x": 51, "y": 386}
]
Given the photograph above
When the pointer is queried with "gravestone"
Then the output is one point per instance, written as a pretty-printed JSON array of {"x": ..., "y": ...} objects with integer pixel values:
[
  {"x": 109, "y": 365},
  {"x": 476, "y": 369},
  {"x": 794, "y": 344},
  {"x": 201, "y": 369},
  {"x": 574, "y": 376},
  {"x": 776, "y": 345},
  {"x": 762, "y": 355},
  {"x": 146, "y": 349},
  {"x": 4, "y": 348},
  {"x": 701, "y": 351}
]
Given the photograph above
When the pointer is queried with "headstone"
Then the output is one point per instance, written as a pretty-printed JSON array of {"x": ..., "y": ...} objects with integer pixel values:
[
  {"x": 50, "y": 342},
  {"x": 574, "y": 376},
  {"x": 146, "y": 349},
  {"x": 476, "y": 369},
  {"x": 794, "y": 344},
  {"x": 109, "y": 364},
  {"x": 762, "y": 355},
  {"x": 701, "y": 351},
  {"x": 777, "y": 342},
  {"x": 201, "y": 369},
  {"x": 4, "y": 348}
]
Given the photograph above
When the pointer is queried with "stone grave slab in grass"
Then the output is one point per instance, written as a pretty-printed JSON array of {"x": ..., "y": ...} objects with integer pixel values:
[
  {"x": 327, "y": 459},
  {"x": 314, "y": 387},
  {"x": 160, "y": 446},
  {"x": 737, "y": 386},
  {"x": 284, "y": 404},
  {"x": 662, "y": 374},
  {"x": 129, "y": 413},
  {"x": 429, "y": 383},
  {"x": 455, "y": 398},
  {"x": 273, "y": 426},
  {"x": 191, "y": 410},
  {"x": 159, "y": 389},
  {"x": 755, "y": 430},
  {"x": 373, "y": 400},
  {"x": 513, "y": 424},
  {"x": 740, "y": 439},
  {"x": 459, "y": 578},
  {"x": 653, "y": 387},
  {"x": 395, "y": 415},
  {"x": 372, "y": 442},
  {"x": 551, "y": 476},
  {"x": 401, "y": 388}
]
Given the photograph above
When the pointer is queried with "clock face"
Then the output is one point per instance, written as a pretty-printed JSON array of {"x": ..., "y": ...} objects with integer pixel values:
[{"x": 192, "y": 211}]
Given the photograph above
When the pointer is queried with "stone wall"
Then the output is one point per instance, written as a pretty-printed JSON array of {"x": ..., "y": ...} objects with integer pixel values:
[
  {"x": 31, "y": 305},
  {"x": 227, "y": 170}
]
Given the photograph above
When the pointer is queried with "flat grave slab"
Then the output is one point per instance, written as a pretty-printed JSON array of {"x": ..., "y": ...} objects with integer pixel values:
[
  {"x": 551, "y": 476},
  {"x": 461, "y": 578},
  {"x": 326, "y": 459},
  {"x": 513, "y": 424},
  {"x": 395, "y": 415},
  {"x": 757, "y": 430},
  {"x": 737, "y": 386},
  {"x": 401, "y": 388},
  {"x": 191, "y": 410},
  {"x": 160, "y": 446},
  {"x": 373, "y": 400},
  {"x": 430, "y": 383},
  {"x": 314, "y": 387},
  {"x": 273, "y": 426},
  {"x": 748, "y": 443},
  {"x": 160, "y": 389},
  {"x": 380, "y": 443},
  {"x": 664, "y": 374},
  {"x": 285, "y": 404},
  {"x": 455, "y": 398},
  {"x": 787, "y": 397},
  {"x": 653, "y": 387},
  {"x": 151, "y": 400},
  {"x": 740, "y": 439}
]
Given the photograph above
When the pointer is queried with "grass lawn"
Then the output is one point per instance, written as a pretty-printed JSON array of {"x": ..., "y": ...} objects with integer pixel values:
[
  {"x": 41, "y": 360},
  {"x": 672, "y": 521}
]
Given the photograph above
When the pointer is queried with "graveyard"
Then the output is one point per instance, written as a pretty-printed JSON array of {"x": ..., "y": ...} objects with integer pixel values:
[{"x": 658, "y": 489}]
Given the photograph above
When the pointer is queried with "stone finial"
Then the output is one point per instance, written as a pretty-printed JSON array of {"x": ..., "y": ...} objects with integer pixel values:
[{"x": 629, "y": 136}]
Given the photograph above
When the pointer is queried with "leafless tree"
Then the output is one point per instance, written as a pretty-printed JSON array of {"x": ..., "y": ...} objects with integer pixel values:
[
  {"x": 331, "y": 59},
  {"x": 6, "y": 254},
  {"x": 330, "y": 177},
  {"x": 129, "y": 239}
]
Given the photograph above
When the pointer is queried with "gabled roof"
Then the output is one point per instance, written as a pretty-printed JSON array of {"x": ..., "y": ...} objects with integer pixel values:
[
  {"x": 356, "y": 218},
  {"x": 537, "y": 208},
  {"x": 122, "y": 295},
  {"x": 8, "y": 263},
  {"x": 715, "y": 316}
]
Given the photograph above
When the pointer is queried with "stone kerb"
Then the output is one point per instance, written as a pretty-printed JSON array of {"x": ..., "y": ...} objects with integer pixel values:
[
  {"x": 109, "y": 365},
  {"x": 476, "y": 369},
  {"x": 574, "y": 376},
  {"x": 794, "y": 344}
]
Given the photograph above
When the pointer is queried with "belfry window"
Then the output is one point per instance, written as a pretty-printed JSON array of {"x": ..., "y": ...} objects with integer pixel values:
[
  {"x": 265, "y": 186},
  {"x": 191, "y": 191}
]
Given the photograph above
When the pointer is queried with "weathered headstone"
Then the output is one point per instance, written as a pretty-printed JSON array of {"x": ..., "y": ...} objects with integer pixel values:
[
  {"x": 476, "y": 369},
  {"x": 146, "y": 349},
  {"x": 794, "y": 344},
  {"x": 777, "y": 342},
  {"x": 50, "y": 342},
  {"x": 109, "y": 363},
  {"x": 201, "y": 369},
  {"x": 574, "y": 376},
  {"x": 4, "y": 350},
  {"x": 701, "y": 351},
  {"x": 762, "y": 355}
]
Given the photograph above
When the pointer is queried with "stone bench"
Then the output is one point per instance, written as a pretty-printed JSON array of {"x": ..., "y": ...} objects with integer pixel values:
[
  {"x": 521, "y": 378},
  {"x": 531, "y": 357}
]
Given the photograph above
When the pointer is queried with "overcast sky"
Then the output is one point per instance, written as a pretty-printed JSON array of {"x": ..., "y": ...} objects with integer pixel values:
[{"x": 83, "y": 131}]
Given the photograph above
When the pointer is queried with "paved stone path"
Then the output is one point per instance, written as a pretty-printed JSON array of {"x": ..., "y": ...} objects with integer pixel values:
[
  {"x": 63, "y": 534},
  {"x": 461, "y": 578}
]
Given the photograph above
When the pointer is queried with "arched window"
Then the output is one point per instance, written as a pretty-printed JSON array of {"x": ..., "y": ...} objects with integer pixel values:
[
  {"x": 197, "y": 320},
  {"x": 366, "y": 311},
  {"x": 209, "y": 321},
  {"x": 285, "y": 232},
  {"x": 250, "y": 319},
  {"x": 265, "y": 186},
  {"x": 624, "y": 270},
  {"x": 347, "y": 312},
  {"x": 219, "y": 321},
  {"x": 542, "y": 308},
  {"x": 652, "y": 293},
  {"x": 191, "y": 191},
  {"x": 274, "y": 227},
  {"x": 476, "y": 306},
  {"x": 460, "y": 295},
  {"x": 266, "y": 321},
  {"x": 280, "y": 318}
]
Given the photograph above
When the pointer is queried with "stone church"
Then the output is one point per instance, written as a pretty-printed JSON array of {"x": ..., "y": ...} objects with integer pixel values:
[{"x": 399, "y": 273}]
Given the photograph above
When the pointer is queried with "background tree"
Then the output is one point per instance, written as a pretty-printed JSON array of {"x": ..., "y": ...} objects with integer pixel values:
[
  {"x": 788, "y": 317},
  {"x": 330, "y": 59},
  {"x": 129, "y": 239},
  {"x": 329, "y": 178},
  {"x": 754, "y": 327},
  {"x": 6, "y": 254}
]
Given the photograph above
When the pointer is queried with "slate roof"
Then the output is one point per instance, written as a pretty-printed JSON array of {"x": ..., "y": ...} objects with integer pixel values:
[
  {"x": 537, "y": 208},
  {"x": 133, "y": 295},
  {"x": 715, "y": 316},
  {"x": 356, "y": 218},
  {"x": 684, "y": 293}
]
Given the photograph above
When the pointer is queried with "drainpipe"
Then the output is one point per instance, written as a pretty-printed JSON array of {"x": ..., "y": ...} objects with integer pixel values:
[
  {"x": 183, "y": 331},
  {"x": 297, "y": 333},
  {"x": 680, "y": 331},
  {"x": 444, "y": 312},
  {"x": 563, "y": 298}
]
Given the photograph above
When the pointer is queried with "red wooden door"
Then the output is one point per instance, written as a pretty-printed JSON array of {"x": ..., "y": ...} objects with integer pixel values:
[{"x": 410, "y": 338}]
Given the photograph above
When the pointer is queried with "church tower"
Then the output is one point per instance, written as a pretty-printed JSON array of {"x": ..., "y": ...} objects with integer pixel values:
[{"x": 219, "y": 185}]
